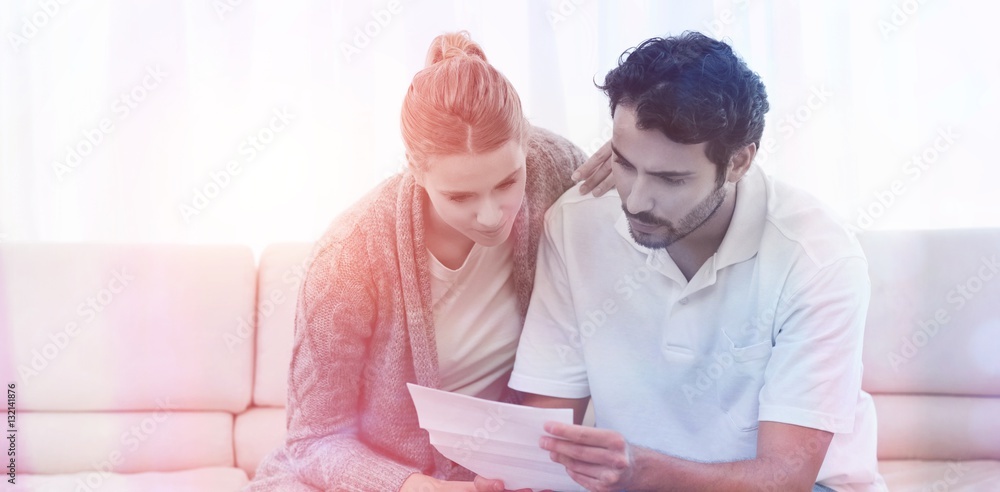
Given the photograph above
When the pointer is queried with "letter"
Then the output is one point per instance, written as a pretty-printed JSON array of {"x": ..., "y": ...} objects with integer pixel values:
[
  {"x": 919, "y": 339},
  {"x": 942, "y": 316},
  {"x": 885, "y": 198},
  {"x": 221, "y": 178},
  {"x": 61, "y": 170},
  {"x": 131, "y": 443},
  {"x": 233, "y": 167},
  {"x": 723, "y": 358},
  {"x": 597, "y": 317},
  {"x": 348, "y": 50},
  {"x": 974, "y": 285},
  {"x": 360, "y": 39},
  {"x": 908, "y": 349},
  {"x": 221, "y": 9},
  {"x": 156, "y": 74},
  {"x": 28, "y": 29},
  {"x": 555, "y": 18},
  {"x": 232, "y": 341},
  {"x": 16, "y": 41},
  {"x": 912, "y": 169},
  {"x": 898, "y": 16},
  {"x": 94, "y": 136},
  {"x": 864, "y": 220},
  {"x": 88, "y": 314},
  {"x": 60, "y": 339},
  {"x": 992, "y": 263},
  {"x": 930, "y": 155},
  {"x": 26, "y": 373},
  {"x": 383, "y": 17},
  {"x": 277, "y": 296},
  {"x": 120, "y": 109},
  {"x": 394, "y": 6},
  {"x": 897, "y": 187},
  {"x": 284, "y": 116},
  {"x": 609, "y": 306},
  {"x": 886, "y": 28},
  {"x": 785, "y": 129},
  {"x": 622, "y": 289},
  {"x": 266, "y": 135},
  {"x": 139, "y": 94},
  {"x": 948, "y": 135},
  {"x": 821, "y": 93},
  {"x": 690, "y": 392},
  {"x": 251, "y": 153},
  {"x": 187, "y": 211},
  {"x": 953, "y": 298},
  {"x": 930, "y": 327}
]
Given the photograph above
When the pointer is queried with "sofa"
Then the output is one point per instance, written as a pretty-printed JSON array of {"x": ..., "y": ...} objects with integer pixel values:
[{"x": 163, "y": 367}]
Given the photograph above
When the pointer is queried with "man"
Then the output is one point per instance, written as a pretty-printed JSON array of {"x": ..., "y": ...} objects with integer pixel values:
[{"x": 714, "y": 316}]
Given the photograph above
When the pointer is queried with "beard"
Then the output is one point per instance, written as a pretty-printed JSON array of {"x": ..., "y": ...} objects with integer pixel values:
[{"x": 697, "y": 217}]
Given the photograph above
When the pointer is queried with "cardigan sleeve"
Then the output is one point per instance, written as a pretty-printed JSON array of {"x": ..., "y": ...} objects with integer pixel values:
[{"x": 334, "y": 320}]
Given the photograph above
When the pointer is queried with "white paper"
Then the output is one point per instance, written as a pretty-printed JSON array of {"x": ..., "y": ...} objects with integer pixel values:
[{"x": 495, "y": 440}]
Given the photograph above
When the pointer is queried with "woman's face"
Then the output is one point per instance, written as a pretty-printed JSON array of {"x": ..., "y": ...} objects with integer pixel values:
[{"x": 477, "y": 195}]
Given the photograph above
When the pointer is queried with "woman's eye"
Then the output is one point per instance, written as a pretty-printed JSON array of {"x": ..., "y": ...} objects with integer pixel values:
[
  {"x": 506, "y": 185},
  {"x": 623, "y": 164},
  {"x": 458, "y": 199}
]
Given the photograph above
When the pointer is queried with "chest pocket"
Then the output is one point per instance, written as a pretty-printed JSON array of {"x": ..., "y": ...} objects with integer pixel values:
[{"x": 739, "y": 388}]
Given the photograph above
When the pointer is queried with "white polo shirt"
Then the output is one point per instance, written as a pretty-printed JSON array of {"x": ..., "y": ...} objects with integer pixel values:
[{"x": 770, "y": 328}]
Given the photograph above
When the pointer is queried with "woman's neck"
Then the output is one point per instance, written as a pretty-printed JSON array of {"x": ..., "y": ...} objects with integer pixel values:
[{"x": 448, "y": 245}]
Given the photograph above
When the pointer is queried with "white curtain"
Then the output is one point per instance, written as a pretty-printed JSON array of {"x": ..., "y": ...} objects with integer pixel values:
[{"x": 253, "y": 122}]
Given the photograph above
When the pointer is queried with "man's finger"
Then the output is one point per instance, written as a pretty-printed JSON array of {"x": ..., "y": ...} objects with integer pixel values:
[
  {"x": 589, "y": 436},
  {"x": 585, "y": 454}
]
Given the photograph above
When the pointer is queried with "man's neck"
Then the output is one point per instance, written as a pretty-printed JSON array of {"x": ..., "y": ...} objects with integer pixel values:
[{"x": 691, "y": 252}]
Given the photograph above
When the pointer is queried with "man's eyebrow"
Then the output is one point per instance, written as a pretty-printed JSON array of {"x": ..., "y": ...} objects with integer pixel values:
[
  {"x": 659, "y": 174},
  {"x": 467, "y": 193}
]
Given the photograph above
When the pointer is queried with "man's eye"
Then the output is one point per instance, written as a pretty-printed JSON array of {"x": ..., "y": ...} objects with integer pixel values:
[{"x": 675, "y": 182}]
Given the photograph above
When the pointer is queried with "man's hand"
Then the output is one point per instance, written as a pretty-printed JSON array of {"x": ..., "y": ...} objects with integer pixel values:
[
  {"x": 598, "y": 459},
  {"x": 596, "y": 172},
  {"x": 423, "y": 483}
]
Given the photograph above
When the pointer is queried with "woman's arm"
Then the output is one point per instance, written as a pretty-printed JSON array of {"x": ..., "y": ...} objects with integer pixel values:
[{"x": 334, "y": 320}]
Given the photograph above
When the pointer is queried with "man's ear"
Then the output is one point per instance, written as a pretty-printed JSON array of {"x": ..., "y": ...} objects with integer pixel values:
[{"x": 739, "y": 163}]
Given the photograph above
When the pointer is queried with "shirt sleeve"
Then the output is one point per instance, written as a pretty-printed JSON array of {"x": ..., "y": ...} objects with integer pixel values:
[
  {"x": 813, "y": 377},
  {"x": 550, "y": 357}
]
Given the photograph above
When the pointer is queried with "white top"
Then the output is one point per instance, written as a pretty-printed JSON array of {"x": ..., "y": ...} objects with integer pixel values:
[
  {"x": 770, "y": 328},
  {"x": 476, "y": 321}
]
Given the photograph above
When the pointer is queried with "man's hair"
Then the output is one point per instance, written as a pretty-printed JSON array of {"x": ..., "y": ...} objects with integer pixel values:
[{"x": 693, "y": 89}]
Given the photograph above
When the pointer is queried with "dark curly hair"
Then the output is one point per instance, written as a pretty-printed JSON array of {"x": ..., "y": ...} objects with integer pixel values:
[{"x": 693, "y": 89}]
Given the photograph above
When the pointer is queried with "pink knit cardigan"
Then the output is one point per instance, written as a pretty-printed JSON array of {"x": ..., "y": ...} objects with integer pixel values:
[{"x": 364, "y": 328}]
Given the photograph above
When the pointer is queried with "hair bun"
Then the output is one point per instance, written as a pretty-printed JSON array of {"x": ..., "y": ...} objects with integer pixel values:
[{"x": 453, "y": 45}]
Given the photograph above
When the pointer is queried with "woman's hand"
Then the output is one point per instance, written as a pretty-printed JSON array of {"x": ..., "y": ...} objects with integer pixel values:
[
  {"x": 596, "y": 172},
  {"x": 422, "y": 483}
]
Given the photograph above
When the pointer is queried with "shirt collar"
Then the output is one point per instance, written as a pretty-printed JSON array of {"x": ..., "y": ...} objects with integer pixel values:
[{"x": 742, "y": 239}]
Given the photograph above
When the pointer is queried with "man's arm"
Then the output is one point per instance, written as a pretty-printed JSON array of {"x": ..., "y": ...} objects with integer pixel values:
[
  {"x": 788, "y": 458},
  {"x": 579, "y": 405}
]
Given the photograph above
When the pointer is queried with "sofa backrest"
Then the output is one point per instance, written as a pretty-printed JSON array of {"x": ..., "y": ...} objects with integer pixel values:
[
  {"x": 126, "y": 357},
  {"x": 932, "y": 342},
  {"x": 282, "y": 269}
]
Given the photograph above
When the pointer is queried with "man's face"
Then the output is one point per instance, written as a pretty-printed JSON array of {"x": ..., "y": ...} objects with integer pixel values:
[
  {"x": 668, "y": 189},
  {"x": 478, "y": 195}
]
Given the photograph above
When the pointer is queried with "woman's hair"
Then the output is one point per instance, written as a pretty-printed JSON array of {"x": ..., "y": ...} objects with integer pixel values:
[{"x": 458, "y": 104}]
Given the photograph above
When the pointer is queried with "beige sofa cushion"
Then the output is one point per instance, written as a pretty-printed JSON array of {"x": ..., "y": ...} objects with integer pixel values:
[
  {"x": 282, "y": 268},
  {"x": 934, "y": 318},
  {"x": 937, "y": 427},
  {"x": 123, "y": 442},
  {"x": 258, "y": 432},
  {"x": 119, "y": 327},
  {"x": 950, "y": 476},
  {"x": 198, "y": 480}
]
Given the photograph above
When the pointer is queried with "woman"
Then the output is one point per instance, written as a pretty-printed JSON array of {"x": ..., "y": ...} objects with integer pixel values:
[{"x": 425, "y": 280}]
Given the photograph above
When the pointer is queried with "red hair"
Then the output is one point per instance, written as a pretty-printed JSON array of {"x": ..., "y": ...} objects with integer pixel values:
[{"x": 458, "y": 104}]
